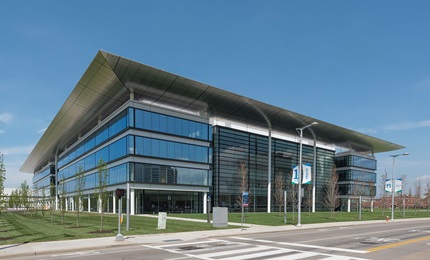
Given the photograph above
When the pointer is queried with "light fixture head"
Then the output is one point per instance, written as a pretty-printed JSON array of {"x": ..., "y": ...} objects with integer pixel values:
[
  {"x": 405, "y": 153},
  {"x": 315, "y": 123}
]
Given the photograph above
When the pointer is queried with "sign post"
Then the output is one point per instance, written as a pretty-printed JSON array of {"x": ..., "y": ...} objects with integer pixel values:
[
  {"x": 285, "y": 207},
  {"x": 119, "y": 193},
  {"x": 209, "y": 208},
  {"x": 245, "y": 199}
]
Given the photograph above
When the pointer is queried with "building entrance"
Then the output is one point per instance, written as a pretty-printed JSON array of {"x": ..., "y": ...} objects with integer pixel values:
[{"x": 152, "y": 202}]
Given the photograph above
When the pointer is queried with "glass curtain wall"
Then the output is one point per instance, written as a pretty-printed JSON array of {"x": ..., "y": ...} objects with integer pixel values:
[
  {"x": 232, "y": 147},
  {"x": 154, "y": 201}
]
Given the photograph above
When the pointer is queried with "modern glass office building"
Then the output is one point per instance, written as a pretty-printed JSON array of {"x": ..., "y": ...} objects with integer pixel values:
[{"x": 173, "y": 143}]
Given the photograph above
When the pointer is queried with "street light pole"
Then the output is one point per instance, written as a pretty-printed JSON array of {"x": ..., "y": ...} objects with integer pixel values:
[
  {"x": 393, "y": 183},
  {"x": 299, "y": 210}
]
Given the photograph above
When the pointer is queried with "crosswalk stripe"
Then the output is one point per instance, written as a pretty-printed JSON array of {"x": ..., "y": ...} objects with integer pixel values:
[
  {"x": 300, "y": 255},
  {"x": 261, "y": 254},
  {"x": 306, "y": 246},
  {"x": 231, "y": 252}
]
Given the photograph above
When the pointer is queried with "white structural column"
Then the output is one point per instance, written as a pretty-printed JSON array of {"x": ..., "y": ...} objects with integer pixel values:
[
  {"x": 314, "y": 171},
  {"x": 205, "y": 203},
  {"x": 269, "y": 173},
  {"x": 89, "y": 203},
  {"x": 349, "y": 205},
  {"x": 114, "y": 202},
  {"x": 132, "y": 202}
]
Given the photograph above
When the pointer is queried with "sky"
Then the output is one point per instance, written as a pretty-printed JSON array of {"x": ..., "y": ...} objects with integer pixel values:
[{"x": 362, "y": 65}]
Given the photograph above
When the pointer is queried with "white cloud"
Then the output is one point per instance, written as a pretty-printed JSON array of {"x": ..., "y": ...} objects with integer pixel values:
[
  {"x": 5, "y": 117},
  {"x": 408, "y": 125},
  {"x": 22, "y": 150}
]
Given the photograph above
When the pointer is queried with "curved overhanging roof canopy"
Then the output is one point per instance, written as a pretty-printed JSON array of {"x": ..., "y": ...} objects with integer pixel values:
[{"x": 109, "y": 80}]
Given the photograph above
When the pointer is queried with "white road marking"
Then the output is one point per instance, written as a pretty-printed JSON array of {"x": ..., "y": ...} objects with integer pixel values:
[
  {"x": 304, "y": 245},
  {"x": 238, "y": 252}
]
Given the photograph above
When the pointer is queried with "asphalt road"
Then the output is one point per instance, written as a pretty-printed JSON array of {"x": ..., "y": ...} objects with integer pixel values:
[{"x": 392, "y": 240}]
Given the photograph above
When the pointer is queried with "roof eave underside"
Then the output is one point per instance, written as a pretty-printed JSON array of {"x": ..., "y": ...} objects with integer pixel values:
[{"x": 109, "y": 79}]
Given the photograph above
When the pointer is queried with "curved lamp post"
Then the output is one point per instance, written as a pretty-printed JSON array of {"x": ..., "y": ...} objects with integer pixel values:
[
  {"x": 299, "y": 210},
  {"x": 393, "y": 183}
]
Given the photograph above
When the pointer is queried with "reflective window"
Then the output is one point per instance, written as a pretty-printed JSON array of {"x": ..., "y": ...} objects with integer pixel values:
[
  {"x": 103, "y": 154},
  {"x": 171, "y": 150},
  {"x": 90, "y": 162},
  {"x": 118, "y": 124},
  {"x": 90, "y": 181},
  {"x": 118, "y": 149},
  {"x": 110, "y": 129},
  {"x": 356, "y": 161},
  {"x": 102, "y": 134},
  {"x": 118, "y": 174},
  {"x": 152, "y": 173},
  {"x": 172, "y": 125}
]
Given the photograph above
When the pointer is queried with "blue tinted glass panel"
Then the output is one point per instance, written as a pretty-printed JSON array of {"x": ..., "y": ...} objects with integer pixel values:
[
  {"x": 178, "y": 127},
  {"x": 155, "y": 147},
  {"x": 155, "y": 122},
  {"x": 103, "y": 154},
  {"x": 118, "y": 149},
  {"x": 118, "y": 124},
  {"x": 90, "y": 161},
  {"x": 90, "y": 181},
  {"x": 163, "y": 149},
  {"x": 171, "y": 125},
  {"x": 130, "y": 117},
  {"x": 80, "y": 150},
  {"x": 139, "y": 118},
  {"x": 172, "y": 150},
  {"x": 147, "y": 120},
  {"x": 210, "y": 133},
  {"x": 90, "y": 143},
  {"x": 163, "y": 124},
  {"x": 140, "y": 146},
  {"x": 102, "y": 135},
  {"x": 130, "y": 144},
  {"x": 118, "y": 174}
]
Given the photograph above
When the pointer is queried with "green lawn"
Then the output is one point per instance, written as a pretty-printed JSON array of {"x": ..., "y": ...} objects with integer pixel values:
[
  {"x": 16, "y": 228},
  {"x": 276, "y": 218}
]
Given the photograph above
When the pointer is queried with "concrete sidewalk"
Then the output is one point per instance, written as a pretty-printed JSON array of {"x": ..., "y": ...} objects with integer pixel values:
[{"x": 10, "y": 251}]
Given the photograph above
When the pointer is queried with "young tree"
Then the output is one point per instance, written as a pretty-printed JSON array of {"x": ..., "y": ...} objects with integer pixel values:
[
  {"x": 80, "y": 186},
  {"x": 51, "y": 199},
  {"x": 384, "y": 195},
  {"x": 25, "y": 196},
  {"x": 291, "y": 194},
  {"x": 101, "y": 190},
  {"x": 331, "y": 193},
  {"x": 418, "y": 193},
  {"x": 428, "y": 195},
  {"x": 308, "y": 201},
  {"x": 43, "y": 203},
  {"x": 63, "y": 199},
  {"x": 404, "y": 183},
  {"x": 242, "y": 171},
  {"x": 35, "y": 197},
  {"x": 279, "y": 190},
  {"x": 2, "y": 180}
]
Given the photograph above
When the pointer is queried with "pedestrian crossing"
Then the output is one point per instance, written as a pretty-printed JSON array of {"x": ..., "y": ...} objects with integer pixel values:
[{"x": 237, "y": 249}]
